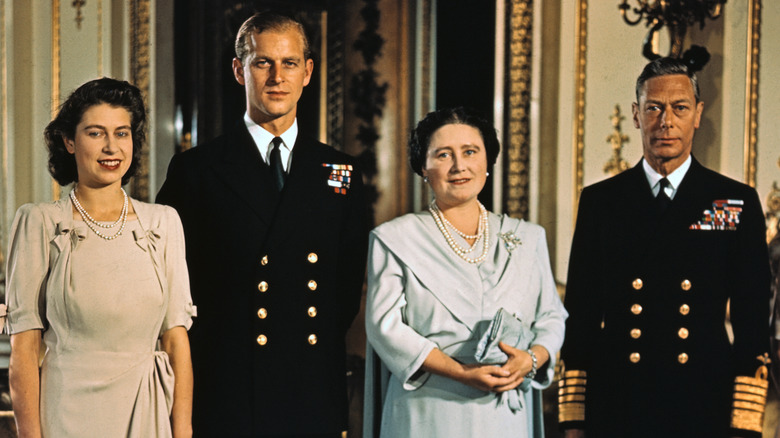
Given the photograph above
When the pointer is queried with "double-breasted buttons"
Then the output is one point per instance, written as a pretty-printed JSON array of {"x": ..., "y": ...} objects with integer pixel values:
[
  {"x": 682, "y": 358},
  {"x": 264, "y": 260},
  {"x": 637, "y": 284},
  {"x": 312, "y": 257},
  {"x": 262, "y": 340},
  {"x": 262, "y": 286},
  {"x": 685, "y": 285},
  {"x": 312, "y": 311},
  {"x": 636, "y": 309},
  {"x": 312, "y": 285},
  {"x": 634, "y": 357},
  {"x": 262, "y": 313},
  {"x": 682, "y": 333},
  {"x": 312, "y": 339},
  {"x": 636, "y": 333},
  {"x": 685, "y": 309}
]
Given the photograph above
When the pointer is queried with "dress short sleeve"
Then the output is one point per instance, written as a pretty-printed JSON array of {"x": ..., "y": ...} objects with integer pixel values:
[
  {"x": 180, "y": 308},
  {"x": 27, "y": 268}
]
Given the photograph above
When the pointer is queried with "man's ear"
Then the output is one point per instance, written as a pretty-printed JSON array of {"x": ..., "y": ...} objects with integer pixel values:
[
  {"x": 635, "y": 113},
  {"x": 238, "y": 71}
]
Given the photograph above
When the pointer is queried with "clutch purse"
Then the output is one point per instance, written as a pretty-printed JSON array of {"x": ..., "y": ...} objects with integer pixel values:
[
  {"x": 506, "y": 328},
  {"x": 509, "y": 329}
]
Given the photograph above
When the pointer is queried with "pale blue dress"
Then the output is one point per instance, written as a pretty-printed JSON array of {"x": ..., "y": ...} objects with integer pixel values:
[{"x": 422, "y": 296}]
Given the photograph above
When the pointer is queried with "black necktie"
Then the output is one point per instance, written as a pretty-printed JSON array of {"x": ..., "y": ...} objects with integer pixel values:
[
  {"x": 662, "y": 199},
  {"x": 275, "y": 161}
]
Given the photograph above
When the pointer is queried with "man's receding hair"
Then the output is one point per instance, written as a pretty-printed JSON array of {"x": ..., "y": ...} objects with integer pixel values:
[
  {"x": 664, "y": 67},
  {"x": 269, "y": 20}
]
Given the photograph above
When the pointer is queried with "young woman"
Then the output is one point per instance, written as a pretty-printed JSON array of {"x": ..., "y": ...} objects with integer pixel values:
[{"x": 101, "y": 280}]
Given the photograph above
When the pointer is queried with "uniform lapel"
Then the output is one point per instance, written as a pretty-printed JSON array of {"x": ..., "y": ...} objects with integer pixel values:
[
  {"x": 300, "y": 187},
  {"x": 241, "y": 168}
]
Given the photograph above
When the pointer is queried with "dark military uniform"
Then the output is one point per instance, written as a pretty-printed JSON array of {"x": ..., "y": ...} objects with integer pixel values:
[
  {"x": 646, "y": 351},
  {"x": 277, "y": 279}
]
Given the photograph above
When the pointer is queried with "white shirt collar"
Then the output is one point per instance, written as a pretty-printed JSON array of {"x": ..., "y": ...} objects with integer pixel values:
[
  {"x": 674, "y": 178},
  {"x": 263, "y": 139}
]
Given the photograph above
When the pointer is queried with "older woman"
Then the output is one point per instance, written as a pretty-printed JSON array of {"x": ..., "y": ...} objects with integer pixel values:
[
  {"x": 102, "y": 280},
  {"x": 435, "y": 281}
]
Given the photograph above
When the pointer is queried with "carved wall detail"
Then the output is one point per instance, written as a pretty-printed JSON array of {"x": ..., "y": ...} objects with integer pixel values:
[
  {"x": 751, "y": 92},
  {"x": 55, "y": 75},
  {"x": 581, "y": 34},
  {"x": 616, "y": 139},
  {"x": 517, "y": 134},
  {"x": 140, "y": 11},
  {"x": 335, "y": 76}
]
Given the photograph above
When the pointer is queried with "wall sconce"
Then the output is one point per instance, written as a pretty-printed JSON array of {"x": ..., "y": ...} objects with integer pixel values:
[{"x": 676, "y": 15}]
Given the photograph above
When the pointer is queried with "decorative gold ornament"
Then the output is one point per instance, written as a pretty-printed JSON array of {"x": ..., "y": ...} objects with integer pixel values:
[
  {"x": 78, "y": 4},
  {"x": 617, "y": 139}
]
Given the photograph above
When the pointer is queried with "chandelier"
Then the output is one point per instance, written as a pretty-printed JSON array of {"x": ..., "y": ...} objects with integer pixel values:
[{"x": 676, "y": 15}]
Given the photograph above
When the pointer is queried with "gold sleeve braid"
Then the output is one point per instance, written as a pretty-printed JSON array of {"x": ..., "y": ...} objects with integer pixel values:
[
  {"x": 571, "y": 396},
  {"x": 747, "y": 411}
]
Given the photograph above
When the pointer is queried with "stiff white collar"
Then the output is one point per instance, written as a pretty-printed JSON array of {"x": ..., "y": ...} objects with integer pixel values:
[
  {"x": 263, "y": 139},
  {"x": 675, "y": 178}
]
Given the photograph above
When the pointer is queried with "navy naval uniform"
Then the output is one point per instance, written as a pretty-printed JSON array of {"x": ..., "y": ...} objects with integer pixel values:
[
  {"x": 646, "y": 351},
  {"x": 277, "y": 277}
]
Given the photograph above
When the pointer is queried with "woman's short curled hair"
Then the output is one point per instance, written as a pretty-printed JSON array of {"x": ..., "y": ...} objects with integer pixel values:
[
  {"x": 113, "y": 92},
  {"x": 420, "y": 138}
]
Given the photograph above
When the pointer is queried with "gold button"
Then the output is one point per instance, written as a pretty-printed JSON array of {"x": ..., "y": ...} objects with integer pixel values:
[
  {"x": 312, "y": 285},
  {"x": 312, "y": 339},
  {"x": 682, "y": 358},
  {"x": 637, "y": 284},
  {"x": 636, "y": 333},
  {"x": 685, "y": 309},
  {"x": 682, "y": 333},
  {"x": 262, "y": 313},
  {"x": 312, "y": 257},
  {"x": 312, "y": 311},
  {"x": 262, "y": 340},
  {"x": 264, "y": 260},
  {"x": 636, "y": 309},
  {"x": 685, "y": 285},
  {"x": 263, "y": 286},
  {"x": 634, "y": 357}
]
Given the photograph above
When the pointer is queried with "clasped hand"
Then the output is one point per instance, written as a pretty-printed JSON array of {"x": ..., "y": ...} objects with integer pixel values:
[{"x": 494, "y": 378}]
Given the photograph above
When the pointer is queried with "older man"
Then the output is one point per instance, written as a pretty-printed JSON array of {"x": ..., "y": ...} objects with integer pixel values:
[
  {"x": 658, "y": 254},
  {"x": 276, "y": 231}
]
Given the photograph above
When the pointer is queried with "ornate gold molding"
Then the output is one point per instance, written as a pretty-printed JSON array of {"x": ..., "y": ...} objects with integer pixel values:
[
  {"x": 517, "y": 122},
  {"x": 581, "y": 34},
  {"x": 100, "y": 38},
  {"x": 55, "y": 74},
  {"x": 616, "y": 163},
  {"x": 751, "y": 92},
  {"x": 78, "y": 4},
  {"x": 140, "y": 58}
]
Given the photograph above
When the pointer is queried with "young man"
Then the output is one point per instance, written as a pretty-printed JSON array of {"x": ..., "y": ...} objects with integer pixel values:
[{"x": 276, "y": 232}]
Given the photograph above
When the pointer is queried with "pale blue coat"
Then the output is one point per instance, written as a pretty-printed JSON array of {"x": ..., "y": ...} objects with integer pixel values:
[{"x": 422, "y": 296}]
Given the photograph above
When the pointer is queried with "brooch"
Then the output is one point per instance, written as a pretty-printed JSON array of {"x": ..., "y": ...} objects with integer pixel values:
[
  {"x": 511, "y": 241},
  {"x": 340, "y": 177},
  {"x": 723, "y": 216}
]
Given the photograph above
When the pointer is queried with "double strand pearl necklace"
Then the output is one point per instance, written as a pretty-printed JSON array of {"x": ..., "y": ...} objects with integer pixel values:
[
  {"x": 93, "y": 224},
  {"x": 483, "y": 233}
]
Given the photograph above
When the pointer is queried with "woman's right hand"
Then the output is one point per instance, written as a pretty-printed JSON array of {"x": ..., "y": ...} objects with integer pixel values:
[{"x": 488, "y": 378}]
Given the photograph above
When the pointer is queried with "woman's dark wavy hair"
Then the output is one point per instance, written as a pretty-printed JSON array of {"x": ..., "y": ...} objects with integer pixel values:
[
  {"x": 420, "y": 138},
  {"x": 62, "y": 164}
]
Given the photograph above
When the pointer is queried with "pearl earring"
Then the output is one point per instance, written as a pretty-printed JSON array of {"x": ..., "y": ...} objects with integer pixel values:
[
  {"x": 425, "y": 179},
  {"x": 487, "y": 173}
]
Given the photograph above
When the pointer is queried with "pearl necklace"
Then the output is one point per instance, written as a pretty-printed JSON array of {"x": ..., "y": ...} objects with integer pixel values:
[
  {"x": 482, "y": 233},
  {"x": 92, "y": 224}
]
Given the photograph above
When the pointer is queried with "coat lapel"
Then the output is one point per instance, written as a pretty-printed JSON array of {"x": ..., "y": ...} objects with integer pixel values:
[{"x": 239, "y": 165}]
